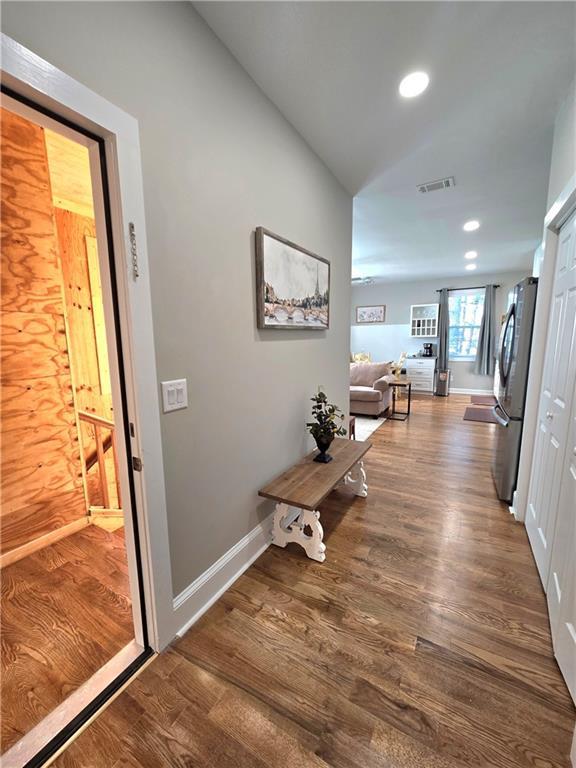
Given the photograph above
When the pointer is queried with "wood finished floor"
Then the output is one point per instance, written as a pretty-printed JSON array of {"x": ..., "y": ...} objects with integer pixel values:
[
  {"x": 66, "y": 611},
  {"x": 421, "y": 642}
]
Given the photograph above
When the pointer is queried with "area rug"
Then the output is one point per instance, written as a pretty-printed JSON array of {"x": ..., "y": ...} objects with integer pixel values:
[
  {"x": 480, "y": 414},
  {"x": 483, "y": 400},
  {"x": 366, "y": 425}
]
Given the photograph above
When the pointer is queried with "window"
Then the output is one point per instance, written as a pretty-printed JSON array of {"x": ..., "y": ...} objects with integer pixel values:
[{"x": 466, "y": 309}]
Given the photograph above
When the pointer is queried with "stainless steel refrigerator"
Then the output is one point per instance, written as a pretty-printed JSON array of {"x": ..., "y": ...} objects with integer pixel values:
[{"x": 512, "y": 379}]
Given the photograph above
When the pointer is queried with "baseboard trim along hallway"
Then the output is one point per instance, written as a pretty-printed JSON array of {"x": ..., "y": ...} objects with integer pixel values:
[{"x": 203, "y": 592}]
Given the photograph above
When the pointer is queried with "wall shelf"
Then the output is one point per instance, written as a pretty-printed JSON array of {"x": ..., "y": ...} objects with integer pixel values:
[{"x": 424, "y": 320}]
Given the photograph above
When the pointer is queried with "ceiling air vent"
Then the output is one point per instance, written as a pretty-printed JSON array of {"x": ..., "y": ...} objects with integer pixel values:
[{"x": 434, "y": 186}]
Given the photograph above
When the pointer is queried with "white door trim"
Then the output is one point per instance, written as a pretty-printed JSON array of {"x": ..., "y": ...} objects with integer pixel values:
[
  {"x": 30, "y": 76},
  {"x": 560, "y": 210}
]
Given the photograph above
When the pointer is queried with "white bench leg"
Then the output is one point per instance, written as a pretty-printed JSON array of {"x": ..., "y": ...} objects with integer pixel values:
[
  {"x": 289, "y": 526},
  {"x": 356, "y": 480}
]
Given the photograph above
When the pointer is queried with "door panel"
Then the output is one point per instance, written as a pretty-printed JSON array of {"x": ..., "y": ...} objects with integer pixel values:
[
  {"x": 553, "y": 418},
  {"x": 562, "y": 382},
  {"x": 562, "y": 581}
]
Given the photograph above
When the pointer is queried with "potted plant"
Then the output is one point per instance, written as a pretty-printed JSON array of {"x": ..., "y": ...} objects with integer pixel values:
[{"x": 326, "y": 425}]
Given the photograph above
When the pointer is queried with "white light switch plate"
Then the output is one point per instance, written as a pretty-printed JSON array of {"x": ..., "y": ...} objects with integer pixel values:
[{"x": 174, "y": 395}]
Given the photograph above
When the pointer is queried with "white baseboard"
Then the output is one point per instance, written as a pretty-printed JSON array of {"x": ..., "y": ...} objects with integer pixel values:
[
  {"x": 458, "y": 391},
  {"x": 515, "y": 510},
  {"x": 512, "y": 507},
  {"x": 195, "y": 600}
]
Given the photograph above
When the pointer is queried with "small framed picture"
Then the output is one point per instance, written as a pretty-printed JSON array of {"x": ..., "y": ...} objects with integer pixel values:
[
  {"x": 292, "y": 285},
  {"x": 371, "y": 314}
]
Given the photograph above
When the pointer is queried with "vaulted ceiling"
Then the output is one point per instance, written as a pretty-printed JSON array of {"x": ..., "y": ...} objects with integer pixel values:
[{"x": 498, "y": 72}]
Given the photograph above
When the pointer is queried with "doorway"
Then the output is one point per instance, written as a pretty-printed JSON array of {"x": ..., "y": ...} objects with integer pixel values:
[
  {"x": 72, "y": 608},
  {"x": 550, "y": 519}
]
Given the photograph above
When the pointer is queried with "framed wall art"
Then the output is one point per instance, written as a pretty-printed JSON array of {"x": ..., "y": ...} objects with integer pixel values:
[
  {"x": 292, "y": 285},
  {"x": 376, "y": 314}
]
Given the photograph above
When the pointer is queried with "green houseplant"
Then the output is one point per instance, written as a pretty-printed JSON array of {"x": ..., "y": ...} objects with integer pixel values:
[{"x": 326, "y": 425}]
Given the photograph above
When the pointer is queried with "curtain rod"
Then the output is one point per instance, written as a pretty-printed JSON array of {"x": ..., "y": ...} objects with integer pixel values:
[{"x": 469, "y": 288}]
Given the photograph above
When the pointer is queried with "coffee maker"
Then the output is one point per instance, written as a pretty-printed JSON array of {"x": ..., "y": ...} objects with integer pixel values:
[{"x": 428, "y": 350}]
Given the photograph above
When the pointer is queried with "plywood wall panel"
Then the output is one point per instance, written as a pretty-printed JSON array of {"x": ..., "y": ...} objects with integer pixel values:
[
  {"x": 30, "y": 280},
  {"x": 36, "y": 465},
  {"x": 22, "y": 292},
  {"x": 76, "y": 235},
  {"x": 56, "y": 511},
  {"x": 40, "y": 446},
  {"x": 41, "y": 487},
  {"x": 25, "y": 404},
  {"x": 33, "y": 346},
  {"x": 70, "y": 178}
]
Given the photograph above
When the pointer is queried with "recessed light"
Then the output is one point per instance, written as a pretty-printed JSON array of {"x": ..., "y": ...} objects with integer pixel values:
[
  {"x": 470, "y": 267},
  {"x": 413, "y": 84},
  {"x": 471, "y": 255},
  {"x": 471, "y": 226}
]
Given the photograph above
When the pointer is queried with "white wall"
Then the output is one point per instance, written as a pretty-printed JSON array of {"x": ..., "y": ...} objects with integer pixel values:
[
  {"x": 218, "y": 160},
  {"x": 563, "y": 163},
  {"x": 388, "y": 340}
]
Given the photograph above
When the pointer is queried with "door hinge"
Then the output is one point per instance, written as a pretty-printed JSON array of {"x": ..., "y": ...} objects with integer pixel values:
[
  {"x": 133, "y": 250},
  {"x": 136, "y": 464}
]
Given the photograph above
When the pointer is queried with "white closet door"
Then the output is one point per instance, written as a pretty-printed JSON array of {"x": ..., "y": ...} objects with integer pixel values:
[
  {"x": 555, "y": 401},
  {"x": 562, "y": 582}
]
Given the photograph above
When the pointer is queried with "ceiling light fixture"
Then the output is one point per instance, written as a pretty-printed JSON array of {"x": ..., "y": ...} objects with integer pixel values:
[
  {"x": 470, "y": 267},
  {"x": 471, "y": 255},
  {"x": 471, "y": 226},
  {"x": 413, "y": 84}
]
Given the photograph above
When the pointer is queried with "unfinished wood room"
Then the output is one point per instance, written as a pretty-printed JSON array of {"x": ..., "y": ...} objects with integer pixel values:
[{"x": 67, "y": 608}]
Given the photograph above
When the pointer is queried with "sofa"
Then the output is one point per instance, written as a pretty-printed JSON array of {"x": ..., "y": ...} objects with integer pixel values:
[{"x": 370, "y": 391}]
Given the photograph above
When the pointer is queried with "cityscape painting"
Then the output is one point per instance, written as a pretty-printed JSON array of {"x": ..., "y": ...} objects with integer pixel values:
[{"x": 292, "y": 285}]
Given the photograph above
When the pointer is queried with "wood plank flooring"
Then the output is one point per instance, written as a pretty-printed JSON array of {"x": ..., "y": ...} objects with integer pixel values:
[
  {"x": 421, "y": 642},
  {"x": 66, "y": 611}
]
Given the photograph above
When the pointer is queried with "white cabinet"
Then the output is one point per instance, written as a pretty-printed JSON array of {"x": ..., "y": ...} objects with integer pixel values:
[{"x": 420, "y": 370}]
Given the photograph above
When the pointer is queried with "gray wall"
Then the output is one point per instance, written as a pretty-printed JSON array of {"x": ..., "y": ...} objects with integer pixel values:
[
  {"x": 218, "y": 160},
  {"x": 387, "y": 341},
  {"x": 563, "y": 163}
]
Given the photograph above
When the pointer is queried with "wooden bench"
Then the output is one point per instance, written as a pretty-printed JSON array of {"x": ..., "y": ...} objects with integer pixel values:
[{"x": 305, "y": 486}]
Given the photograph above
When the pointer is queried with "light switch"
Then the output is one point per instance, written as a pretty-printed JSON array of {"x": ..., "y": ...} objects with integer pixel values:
[{"x": 174, "y": 395}]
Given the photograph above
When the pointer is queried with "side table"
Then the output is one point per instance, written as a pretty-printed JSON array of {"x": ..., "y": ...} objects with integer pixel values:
[{"x": 400, "y": 383}]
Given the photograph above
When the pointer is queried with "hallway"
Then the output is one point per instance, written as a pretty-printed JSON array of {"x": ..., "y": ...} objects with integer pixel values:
[{"x": 421, "y": 642}]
